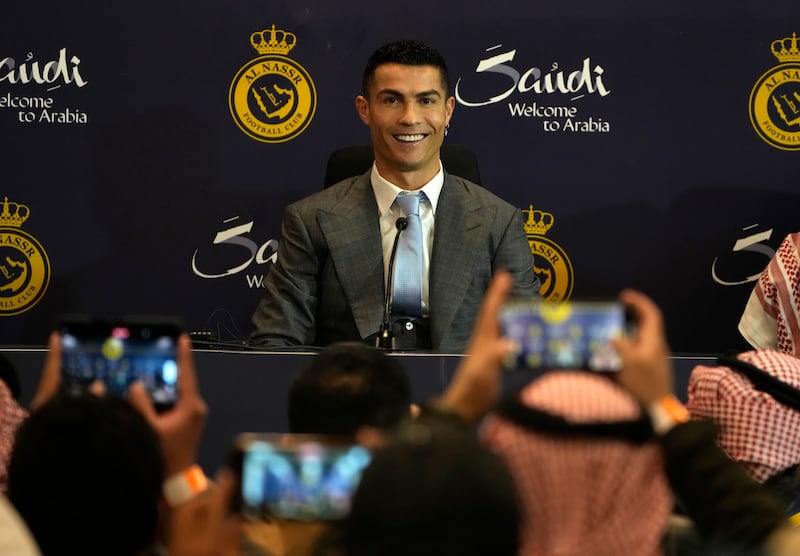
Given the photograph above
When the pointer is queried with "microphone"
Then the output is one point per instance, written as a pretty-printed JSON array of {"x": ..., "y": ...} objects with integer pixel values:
[{"x": 385, "y": 338}]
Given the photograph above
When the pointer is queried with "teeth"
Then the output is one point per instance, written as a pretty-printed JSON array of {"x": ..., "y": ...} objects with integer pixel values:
[{"x": 410, "y": 138}]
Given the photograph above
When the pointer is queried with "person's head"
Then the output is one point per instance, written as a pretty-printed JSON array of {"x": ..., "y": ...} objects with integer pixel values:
[
  {"x": 589, "y": 473},
  {"x": 347, "y": 386},
  {"x": 755, "y": 429},
  {"x": 11, "y": 416},
  {"x": 85, "y": 475},
  {"x": 407, "y": 105},
  {"x": 433, "y": 490}
]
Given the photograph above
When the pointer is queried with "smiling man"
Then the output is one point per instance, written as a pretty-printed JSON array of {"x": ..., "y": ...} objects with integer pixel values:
[{"x": 333, "y": 268}]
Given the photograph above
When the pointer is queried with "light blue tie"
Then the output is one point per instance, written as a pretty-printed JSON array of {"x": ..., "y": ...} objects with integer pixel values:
[{"x": 407, "y": 298}]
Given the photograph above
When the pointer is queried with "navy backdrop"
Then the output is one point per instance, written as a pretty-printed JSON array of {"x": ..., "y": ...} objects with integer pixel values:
[{"x": 659, "y": 141}]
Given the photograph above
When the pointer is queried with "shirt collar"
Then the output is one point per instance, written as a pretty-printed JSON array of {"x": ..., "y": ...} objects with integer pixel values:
[{"x": 385, "y": 191}]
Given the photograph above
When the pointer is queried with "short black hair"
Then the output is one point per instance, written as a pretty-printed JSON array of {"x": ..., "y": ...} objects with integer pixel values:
[
  {"x": 85, "y": 475},
  {"x": 407, "y": 53},
  {"x": 346, "y": 386},
  {"x": 434, "y": 490}
]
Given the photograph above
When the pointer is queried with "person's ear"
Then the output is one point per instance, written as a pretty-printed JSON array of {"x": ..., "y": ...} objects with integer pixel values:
[
  {"x": 362, "y": 107},
  {"x": 414, "y": 410}
]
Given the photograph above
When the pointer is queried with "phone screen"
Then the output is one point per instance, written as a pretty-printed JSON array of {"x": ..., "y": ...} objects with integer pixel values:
[
  {"x": 564, "y": 335},
  {"x": 304, "y": 480},
  {"x": 118, "y": 353}
]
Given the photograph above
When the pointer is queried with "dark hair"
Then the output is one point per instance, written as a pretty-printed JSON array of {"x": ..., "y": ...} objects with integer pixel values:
[
  {"x": 346, "y": 386},
  {"x": 786, "y": 485},
  {"x": 85, "y": 475},
  {"x": 433, "y": 490},
  {"x": 407, "y": 53}
]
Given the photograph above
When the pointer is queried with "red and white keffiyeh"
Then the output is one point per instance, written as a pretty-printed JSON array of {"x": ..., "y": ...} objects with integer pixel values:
[
  {"x": 771, "y": 318},
  {"x": 583, "y": 495},
  {"x": 11, "y": 416},
  {"x": 755, "y": 430}
]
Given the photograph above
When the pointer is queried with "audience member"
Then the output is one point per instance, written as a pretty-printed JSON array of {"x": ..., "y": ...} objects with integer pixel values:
[
  {"x": 347, "y": 388},
  {"x": 432, "y": 490},
  {"x": 771, "y": 318},
  {"x": 15, "y": 537},
  {"x": 589, "y": 471},
  {"x": 329, "y": 281},
  {"x": 11, "y": 414},
  {"x": 758, "y": 426},
  {"x": 86, "y": 475},
  {"x": 735, "y": 514}
]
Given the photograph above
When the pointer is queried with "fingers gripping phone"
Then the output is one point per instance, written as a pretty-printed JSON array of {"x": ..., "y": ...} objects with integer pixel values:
[
  {"x": 298, "y": 477},
  {"x": 564, "y": 335},
  {"x": 119, "y": 352}
]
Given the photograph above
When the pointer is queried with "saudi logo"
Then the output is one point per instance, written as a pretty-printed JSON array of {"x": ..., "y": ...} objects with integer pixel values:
[
  {"x": 775, "y": 99},
  {"x": 272, "y": 98},
  {"x": 550, "y": 262},
  {"x": 24, "y": 266}
]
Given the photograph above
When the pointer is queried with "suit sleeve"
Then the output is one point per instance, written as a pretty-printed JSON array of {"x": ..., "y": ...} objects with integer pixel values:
[
  {"x": 286, "y": 314},
  {"x": 514, "y": 255}
]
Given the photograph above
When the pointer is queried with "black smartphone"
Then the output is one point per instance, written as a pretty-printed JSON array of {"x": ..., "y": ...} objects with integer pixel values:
[
  {"x": 564, "y": 335},
  {"x": 298, "y": 477},
  {"x": 120, "y": 351}
]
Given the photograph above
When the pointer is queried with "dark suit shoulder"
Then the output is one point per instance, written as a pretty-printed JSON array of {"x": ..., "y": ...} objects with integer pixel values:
[
  {"x": 476, "y": 193},
  {"x": 346, "y": 192}
]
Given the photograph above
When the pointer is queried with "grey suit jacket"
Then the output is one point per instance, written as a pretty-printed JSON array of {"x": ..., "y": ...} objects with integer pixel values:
[{"x": 328, "y": 285}]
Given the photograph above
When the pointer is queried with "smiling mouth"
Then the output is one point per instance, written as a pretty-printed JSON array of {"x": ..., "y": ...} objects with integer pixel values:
[{"x": 408, "y": 138}]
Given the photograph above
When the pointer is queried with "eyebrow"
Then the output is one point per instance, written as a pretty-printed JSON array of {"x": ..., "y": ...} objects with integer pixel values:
[{"x": 421, "y": 94}]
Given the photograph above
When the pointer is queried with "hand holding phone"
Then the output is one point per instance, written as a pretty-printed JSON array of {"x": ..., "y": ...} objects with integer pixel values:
[
  {"x": 297, "y": 477},
  {"x": 118, "y": 352},
  {"x": 564, "y": 335}
]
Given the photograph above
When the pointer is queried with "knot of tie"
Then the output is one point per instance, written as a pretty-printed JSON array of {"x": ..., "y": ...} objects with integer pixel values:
[{"x": 408, "y": 202}]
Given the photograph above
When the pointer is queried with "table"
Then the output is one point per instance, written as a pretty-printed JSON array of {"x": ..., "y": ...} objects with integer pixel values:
[{"x": 246, "y": 390}]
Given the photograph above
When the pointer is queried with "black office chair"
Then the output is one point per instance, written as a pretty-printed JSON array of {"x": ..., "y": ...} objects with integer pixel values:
[{"x": 356, "y": 159}]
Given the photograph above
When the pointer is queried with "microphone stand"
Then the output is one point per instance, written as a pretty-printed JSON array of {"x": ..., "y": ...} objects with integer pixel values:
[{"x": 384, "y": 339}]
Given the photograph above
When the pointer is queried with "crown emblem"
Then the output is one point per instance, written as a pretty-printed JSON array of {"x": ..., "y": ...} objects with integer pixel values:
[
  {"x": 538, "y": 222},
  {"x": 273, "y": 41},
  {"x": 785, "y": 50},
  {"x": 13, "y": 214}
]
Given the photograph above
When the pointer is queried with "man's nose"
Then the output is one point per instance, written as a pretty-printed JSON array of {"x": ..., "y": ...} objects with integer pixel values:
[{"x": 410, "y": 115}]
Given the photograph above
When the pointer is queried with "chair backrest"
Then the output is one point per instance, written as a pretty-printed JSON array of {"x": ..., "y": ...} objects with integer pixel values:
[{"x": 356, "y": 159}]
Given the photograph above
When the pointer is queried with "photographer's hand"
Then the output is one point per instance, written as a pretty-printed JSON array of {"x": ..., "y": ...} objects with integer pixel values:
[
  {"x": 50, "y": 381},
  {"x": 477, "y": 383},
  {"x": 204, "y": 525},
  {"x": 646, "y": 369},
  {"x": 181, "y": 427}
]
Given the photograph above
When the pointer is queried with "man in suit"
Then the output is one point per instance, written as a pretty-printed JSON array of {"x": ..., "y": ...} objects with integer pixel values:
[{"x": 329, "y": 281}]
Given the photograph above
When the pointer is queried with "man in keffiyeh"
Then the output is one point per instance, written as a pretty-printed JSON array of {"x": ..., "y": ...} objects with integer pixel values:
[
  {"x": 758, "y": 428},
  {"x": 581, "y": 493},
  {"x": 771, "y": 319},
  {"x": 11, "y": 415}
]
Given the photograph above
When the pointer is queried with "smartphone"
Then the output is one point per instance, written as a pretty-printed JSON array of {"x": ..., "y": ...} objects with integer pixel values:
[
  {"x": 120, "y": 351},
  {"x": 298, "y": 477},
  {"x": 564, "y": 335}
]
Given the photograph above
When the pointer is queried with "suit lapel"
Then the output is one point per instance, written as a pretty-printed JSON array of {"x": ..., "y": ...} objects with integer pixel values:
[
  {"x": 457, "y": 236},
  {"x": 352, "y": 232}
]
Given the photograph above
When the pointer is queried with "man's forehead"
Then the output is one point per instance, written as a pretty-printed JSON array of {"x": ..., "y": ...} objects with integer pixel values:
[{"x": 408, "y": 79}]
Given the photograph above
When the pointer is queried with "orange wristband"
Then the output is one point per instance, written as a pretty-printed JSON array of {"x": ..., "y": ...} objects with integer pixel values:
[
  {"x": 184, "y": 486},
  {"x": 666, "y": 413}
]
